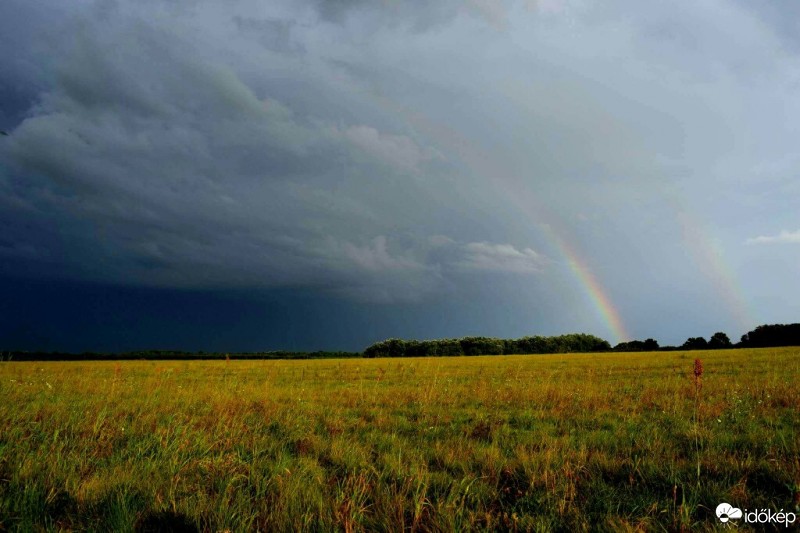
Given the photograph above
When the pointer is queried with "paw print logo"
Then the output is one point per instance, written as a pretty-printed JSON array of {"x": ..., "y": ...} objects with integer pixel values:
[{"x": 726, "y": 511}]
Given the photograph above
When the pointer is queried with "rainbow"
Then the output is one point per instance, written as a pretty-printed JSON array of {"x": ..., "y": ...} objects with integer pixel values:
[
  {"x": 707, "y": 252},
  {"x": 710, "y": 258},
  {"x": 519, "y": 195},
  {"x": 597, "y": 294}
]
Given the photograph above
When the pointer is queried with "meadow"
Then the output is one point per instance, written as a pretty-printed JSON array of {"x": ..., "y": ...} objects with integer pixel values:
[{"x": 567, "y": 442}]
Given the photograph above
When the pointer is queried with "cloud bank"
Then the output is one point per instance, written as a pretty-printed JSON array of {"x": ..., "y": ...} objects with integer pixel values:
[{"x": 396, "y": 152}]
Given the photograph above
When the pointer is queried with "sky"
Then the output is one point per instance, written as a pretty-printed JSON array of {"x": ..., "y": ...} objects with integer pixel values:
[{"x": 325, "y": 174}]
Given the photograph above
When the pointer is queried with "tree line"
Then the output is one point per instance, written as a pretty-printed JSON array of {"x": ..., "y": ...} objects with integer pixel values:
[
  {"x": 768, "y": 335},
  {"x": 717, "y": 341},
  {"x": 573, "y": 342},
  {"x": 762, "y": 336}
]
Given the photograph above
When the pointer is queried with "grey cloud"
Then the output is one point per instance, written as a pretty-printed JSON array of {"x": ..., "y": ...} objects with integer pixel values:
[
  {"x": 395, "y": 149},
  {"x": 372, "y": 272},
  {"x": 378, "y": 273},
  {"x": 416, "y": 15},
  {"x": 375, "y": 257},
  {"x": 157, "y": 165},
  {"x": 501, "y": 258},
  {"x": 274, "y": 34},
  {"x": 784, "y": 237},
  {"x": 321, "y": 144}
]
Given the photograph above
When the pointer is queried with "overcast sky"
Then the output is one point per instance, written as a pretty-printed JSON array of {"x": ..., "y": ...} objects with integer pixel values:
[{"x": 310, "y": 174}]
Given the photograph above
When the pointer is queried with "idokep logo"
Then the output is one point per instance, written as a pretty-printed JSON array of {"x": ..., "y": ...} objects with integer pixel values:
[{"x": 726, "y": 512}]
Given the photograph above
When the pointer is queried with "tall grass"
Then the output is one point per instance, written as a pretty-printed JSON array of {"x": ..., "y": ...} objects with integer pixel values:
[
  {"x": 540, "y": 443},
  {"x": 698, "y": 385}
]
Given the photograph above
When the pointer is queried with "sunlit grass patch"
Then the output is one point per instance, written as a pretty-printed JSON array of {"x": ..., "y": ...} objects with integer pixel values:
[{"x": 569, "y": 441}]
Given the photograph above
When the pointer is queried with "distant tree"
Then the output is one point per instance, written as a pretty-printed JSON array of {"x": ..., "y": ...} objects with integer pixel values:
[
  {"x": 535, "y": 344},
  {"x": 629, "y": 346},
  {"x": 387, "y": 348},
  {"x": 449, "y": 347},
  {"x": 718, "y": 341},
  {"x": 510, "y": 346},
  {"x": 695, "y": 343},
  {"x": 580, "y": 342},
  {"x": 650, "y": 345},
  {"x": 481, "y": 346},
  {"x": 414, "y": 349},
  {"x": 772, "y": 335}
]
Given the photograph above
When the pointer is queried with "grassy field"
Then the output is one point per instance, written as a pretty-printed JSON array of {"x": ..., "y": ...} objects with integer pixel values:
[{"x": 540, "y": 442}]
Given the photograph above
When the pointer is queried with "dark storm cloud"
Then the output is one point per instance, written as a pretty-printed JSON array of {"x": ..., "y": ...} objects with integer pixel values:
[
  {"x": 399, "y": 151},
  {"x": 273, "y": 34},
  {"x": 26, "y": 31},
  {"x": 416, "y": 15},
  {"x": 151, "y": 160}
]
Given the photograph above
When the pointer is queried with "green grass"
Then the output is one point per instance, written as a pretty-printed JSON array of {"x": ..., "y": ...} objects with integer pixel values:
[{"x": 541, "y": 442}]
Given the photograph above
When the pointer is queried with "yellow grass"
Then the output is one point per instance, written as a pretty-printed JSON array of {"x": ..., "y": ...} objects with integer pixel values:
[{"x": 532, "y": 442}]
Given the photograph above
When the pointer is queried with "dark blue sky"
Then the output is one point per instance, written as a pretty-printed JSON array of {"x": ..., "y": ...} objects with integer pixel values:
[
  {"x": 314, "y": 174},
  {"x": 80, "y": 316}
]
